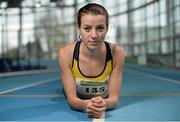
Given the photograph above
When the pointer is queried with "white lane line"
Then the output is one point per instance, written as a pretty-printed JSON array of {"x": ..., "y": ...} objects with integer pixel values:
[
  {"x": 101, "y": 119},
  {"x": 149, "y": 94},
  {"x": 158, "y": 77},
  {"x": 33, "y": 95},
  {"x": 29, "y": 85},
  {"x": 19, "y": 73},
  {"x": 62, "y": 96}
]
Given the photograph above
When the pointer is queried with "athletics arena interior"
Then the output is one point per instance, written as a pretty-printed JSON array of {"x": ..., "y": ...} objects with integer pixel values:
[{"x": 31, "y": 32}]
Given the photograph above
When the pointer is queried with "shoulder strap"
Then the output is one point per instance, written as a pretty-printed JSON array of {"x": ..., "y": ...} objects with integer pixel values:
[
  {"x": 76, "y": 51},
  {"x": 109, "y": 55}
]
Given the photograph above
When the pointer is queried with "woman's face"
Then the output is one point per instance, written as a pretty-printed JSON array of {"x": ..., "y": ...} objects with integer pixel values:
[{"x": 93, "y": 30}]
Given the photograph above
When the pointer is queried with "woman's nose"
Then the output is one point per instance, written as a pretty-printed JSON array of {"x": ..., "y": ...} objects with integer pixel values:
[{"x": 94, "y": 34}]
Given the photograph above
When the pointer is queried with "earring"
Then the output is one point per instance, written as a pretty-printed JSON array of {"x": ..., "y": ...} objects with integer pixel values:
[{"x": 80, "y": 37}]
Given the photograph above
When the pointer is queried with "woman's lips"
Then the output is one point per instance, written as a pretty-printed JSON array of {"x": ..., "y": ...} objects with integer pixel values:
[{"x": 93, "y": 43}]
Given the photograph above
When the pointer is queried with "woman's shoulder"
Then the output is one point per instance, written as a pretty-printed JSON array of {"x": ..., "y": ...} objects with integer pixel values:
[
  {"x": 68, "y": 48},
  {"x": 116, "y": 48},
  {"x": 118, "y": 54},
  {"x": 66, "y": 52}
]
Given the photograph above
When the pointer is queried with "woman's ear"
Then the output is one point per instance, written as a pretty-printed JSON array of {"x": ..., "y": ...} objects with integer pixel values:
[
  {"x": 107, "y": 28},
  {"x": 77, "y": 29}
]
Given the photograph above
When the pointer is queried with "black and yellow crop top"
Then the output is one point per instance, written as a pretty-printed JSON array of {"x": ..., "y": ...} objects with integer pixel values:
[{"x": 88, "y": 86}]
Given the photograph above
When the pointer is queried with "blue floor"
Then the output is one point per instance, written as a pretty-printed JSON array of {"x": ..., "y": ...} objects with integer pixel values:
[
  {"x": 147, "y": 94},
  {"x": 46, "y": 109}
]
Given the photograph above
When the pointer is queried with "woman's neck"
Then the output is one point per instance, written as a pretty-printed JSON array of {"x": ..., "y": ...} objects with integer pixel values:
[{"x": 91, "y": 53}]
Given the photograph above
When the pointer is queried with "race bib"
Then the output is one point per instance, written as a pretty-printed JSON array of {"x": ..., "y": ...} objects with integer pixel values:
[{"x": 90, "y": 87}]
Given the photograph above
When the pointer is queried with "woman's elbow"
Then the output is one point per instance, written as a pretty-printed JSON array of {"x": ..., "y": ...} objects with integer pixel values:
[
  {"x": 71, "y": 101},
  {"x": 74, "y": 103},
  {"x": 113, "y": 102}
]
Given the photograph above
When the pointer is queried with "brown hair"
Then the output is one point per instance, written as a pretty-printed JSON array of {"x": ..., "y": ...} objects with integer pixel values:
[{"x": 92, "y": 8}]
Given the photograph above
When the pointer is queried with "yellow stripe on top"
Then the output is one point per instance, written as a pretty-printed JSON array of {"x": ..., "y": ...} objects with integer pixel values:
[{"x": 107, "y": 71}]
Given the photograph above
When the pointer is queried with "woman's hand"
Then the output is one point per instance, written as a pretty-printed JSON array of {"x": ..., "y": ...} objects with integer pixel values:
[{"x": 96, "y": 107}]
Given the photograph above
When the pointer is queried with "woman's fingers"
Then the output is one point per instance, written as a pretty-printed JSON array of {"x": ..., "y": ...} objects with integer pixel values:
[
  {"x": 96, "y": 107},
  {"x": 94, "y": 114},
  {"x": 99, "y": 105},
  {"x": 97, "y": 99},
  {"x": 98, "y": 102}
]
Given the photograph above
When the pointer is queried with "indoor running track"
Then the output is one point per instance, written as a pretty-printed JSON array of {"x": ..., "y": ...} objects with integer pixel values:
[{"x": 146, "y": 95}]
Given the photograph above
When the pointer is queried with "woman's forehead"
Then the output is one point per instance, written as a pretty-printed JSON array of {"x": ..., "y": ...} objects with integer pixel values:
[{"x": 93, "y": 19}]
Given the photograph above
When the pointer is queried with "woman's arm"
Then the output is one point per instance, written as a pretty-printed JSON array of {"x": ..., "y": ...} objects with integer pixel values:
[
  {"x": 116, "y": 77},
  {"x": 68, "y": 80}
]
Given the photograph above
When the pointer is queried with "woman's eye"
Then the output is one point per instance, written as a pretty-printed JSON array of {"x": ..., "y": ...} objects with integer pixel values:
[
  {"x": 87, "y": 29},
  {"x": 100, "y": 29}
]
